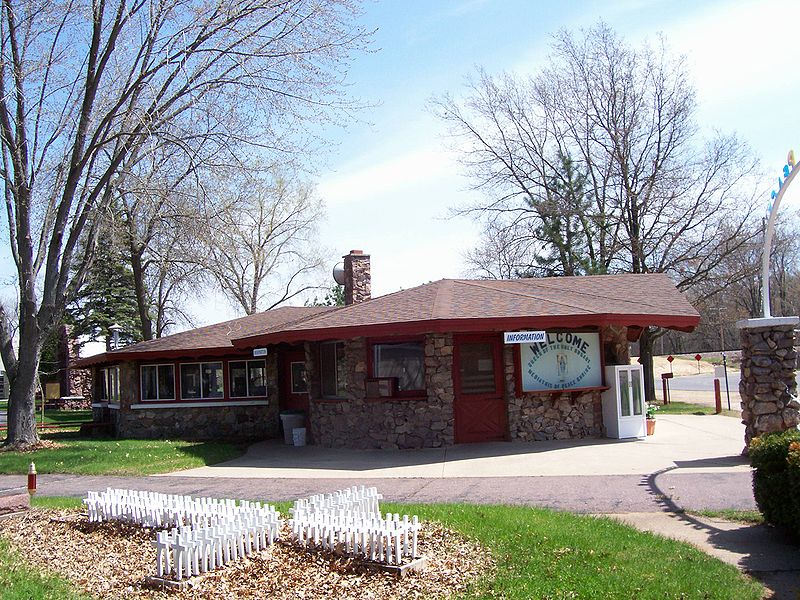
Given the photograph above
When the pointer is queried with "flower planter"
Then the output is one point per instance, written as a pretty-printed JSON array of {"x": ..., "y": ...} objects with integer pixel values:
[{"x": 651, "y": 426}]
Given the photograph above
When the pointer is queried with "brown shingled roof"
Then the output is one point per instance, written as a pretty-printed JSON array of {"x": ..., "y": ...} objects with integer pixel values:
[
  {"x": 212, "y": 339},
  {"x": 486, "y": 305}
]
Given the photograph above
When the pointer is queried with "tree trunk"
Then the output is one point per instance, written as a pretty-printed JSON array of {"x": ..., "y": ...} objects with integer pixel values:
[
  {"x": 22, "y": 396},
  {"x": 141, "y": 294},
  {"x": 646, "y": 359}
]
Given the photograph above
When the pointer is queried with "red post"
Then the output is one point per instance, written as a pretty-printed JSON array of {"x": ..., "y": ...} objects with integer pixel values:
[
  {"x": 665, "y": 390},
  {"x": 717, "y": 397},
  {"x": 32, "y": 479}
]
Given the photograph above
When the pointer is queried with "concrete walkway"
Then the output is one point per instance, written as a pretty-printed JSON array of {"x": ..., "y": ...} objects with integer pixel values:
[{"x": 696, "y": 444}]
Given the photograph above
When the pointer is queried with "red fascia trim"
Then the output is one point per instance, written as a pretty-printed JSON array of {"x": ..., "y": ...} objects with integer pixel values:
[
  {"x": 189, "y": 354},
  {"x": 410, "y": 328}
]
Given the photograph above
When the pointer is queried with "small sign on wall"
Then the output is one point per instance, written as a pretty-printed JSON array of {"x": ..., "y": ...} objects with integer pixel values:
[
  {"x": 524, "y": 337},
  {"x": 259, "y": 351},
  {"x": 564, "y": 360}
]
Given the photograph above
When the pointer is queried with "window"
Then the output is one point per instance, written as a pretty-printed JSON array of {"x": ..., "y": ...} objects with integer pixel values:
[
  {"x": 201, "y": 381},
  {"x": 158, "y": 382},
  {"x": 332, "y": 369},
  {"x": 248, "y": 378},
  {"x": 476, "y": 368},
  {"x": 109, "y": 386},
  {"x": 299, "y": 382},
  {"x": 403, "y": 360}
]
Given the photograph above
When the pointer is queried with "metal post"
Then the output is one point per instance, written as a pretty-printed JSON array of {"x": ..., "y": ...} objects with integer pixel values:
[{"x": 727, "y": 389}]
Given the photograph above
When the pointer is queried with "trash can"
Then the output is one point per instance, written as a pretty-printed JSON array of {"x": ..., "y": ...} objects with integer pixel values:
[
  {"x": 299, "y": 436},
  {"x": 291, "y": 419}
]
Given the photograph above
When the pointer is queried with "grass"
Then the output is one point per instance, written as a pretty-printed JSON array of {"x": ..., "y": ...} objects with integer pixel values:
[
  {"x": 753, "y": 517},
  {"x": 20, "y": 581},
  {"x": 65, "y": 417},
  {"x": 688, "y": 408},
  {"x": 540, "y": 554},
  {"x": 90, "y": 456}
]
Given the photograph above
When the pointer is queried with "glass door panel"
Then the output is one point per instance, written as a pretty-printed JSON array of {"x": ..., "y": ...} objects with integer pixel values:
[
  {"x": 636, "y": 386},
  {"x": 624, "y": 394}
]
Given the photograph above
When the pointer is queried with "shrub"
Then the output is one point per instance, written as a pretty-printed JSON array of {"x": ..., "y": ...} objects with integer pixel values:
[{"x": 776, "y": 479}]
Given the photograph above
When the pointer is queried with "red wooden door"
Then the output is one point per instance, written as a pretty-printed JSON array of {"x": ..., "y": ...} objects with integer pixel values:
[
  {"x": 294, "y": 387},
  {"x": 479, "y": 406}
]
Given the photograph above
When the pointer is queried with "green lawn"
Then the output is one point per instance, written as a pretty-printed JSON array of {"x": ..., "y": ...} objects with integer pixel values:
[
  {"x": 89, "y": 456},
  {"x": 65, "y": 417},
  {"x": 542, "y": 554},
  {"x": 539, "y": 554},
  {"x": 729, "y": 514},
  {"x": 20, "y": 581},
  {"x": 688, "y": 408}
]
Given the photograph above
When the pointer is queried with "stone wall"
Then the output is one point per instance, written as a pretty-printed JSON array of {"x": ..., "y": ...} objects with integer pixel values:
[
  {"x": 359, "y": 422},
  {"x": 223, "y": 420},
  {"x": 768, "y": 387},
  {"x": 539, "y": 416},
  {"x": 237, "y": 423}
]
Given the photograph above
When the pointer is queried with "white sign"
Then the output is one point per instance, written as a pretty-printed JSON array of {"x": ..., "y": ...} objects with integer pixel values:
[
  {"x": 524, "y": 337},
  {"x": 564, "y": 360},
  {"x": 259, "y": 351},
  {"x": 719, "y": 372}
]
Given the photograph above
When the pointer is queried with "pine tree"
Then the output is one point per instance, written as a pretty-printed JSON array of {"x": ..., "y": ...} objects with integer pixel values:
[{"x": 107, "y": 297}]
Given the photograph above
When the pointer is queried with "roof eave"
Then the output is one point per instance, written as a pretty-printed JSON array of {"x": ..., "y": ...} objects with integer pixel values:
[{"x": 685, "y": 323}]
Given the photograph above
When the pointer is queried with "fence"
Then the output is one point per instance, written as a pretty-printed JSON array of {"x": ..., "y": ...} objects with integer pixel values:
[
  {"x": 203, "y": 534},
  {"x": 350, "y": 522}
]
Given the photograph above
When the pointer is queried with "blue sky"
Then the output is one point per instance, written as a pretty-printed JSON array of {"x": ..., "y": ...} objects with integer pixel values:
[
  {"x": 389, "y": 184},
  {"x": 389, "y": 179}
]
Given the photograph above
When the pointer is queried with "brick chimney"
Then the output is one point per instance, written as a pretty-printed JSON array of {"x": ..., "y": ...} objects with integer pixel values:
[{"x": 357, "y": 278}]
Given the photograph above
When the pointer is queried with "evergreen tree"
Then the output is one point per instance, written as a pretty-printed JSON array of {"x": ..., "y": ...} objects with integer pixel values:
[{"x": 107, "y": 297}]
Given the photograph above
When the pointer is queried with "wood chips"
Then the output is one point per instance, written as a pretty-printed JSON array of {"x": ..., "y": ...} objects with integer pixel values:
[{"x": 111, "y": 560}]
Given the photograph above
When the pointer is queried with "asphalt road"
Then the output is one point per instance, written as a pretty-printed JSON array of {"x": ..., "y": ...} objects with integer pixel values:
[
  {"x": 705, "y": 382},
  {"x": 669, "y": 490}
]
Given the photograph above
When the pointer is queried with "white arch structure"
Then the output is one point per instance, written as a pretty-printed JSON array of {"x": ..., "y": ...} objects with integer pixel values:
[{"x": 789, "y": 172}]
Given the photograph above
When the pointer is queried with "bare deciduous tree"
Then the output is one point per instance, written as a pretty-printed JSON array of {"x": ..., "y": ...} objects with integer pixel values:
[
  {"x": 261, "y": 246},
  {"x": 86, "y": 88},
  {"x": 656, "y": 194}
]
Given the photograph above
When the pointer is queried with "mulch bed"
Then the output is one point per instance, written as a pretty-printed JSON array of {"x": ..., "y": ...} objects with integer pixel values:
[{"x": 112, "y": 560}]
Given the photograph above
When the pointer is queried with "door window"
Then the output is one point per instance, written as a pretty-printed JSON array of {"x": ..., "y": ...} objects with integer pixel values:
[{"x": 476, "y": 367}]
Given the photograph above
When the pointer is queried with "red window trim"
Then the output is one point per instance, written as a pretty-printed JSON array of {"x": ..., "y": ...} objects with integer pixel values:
[
  {"x": 399, "y": 395},
  {"x": 176, "y": 363}
]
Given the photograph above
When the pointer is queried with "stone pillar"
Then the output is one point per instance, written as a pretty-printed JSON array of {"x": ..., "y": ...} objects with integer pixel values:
[
  {"x": 768, "y": 387},
  {"x": 357, "y": 277}
]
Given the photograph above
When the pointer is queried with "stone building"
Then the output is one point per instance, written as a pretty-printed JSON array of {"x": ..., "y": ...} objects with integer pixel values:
[{"x": 423, "y": 367}]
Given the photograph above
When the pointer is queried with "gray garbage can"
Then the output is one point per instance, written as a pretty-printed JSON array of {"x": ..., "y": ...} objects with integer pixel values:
[{"x": 290, "y": 420}]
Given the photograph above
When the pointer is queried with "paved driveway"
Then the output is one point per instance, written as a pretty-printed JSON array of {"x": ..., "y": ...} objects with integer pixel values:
[{"x": 693, "y": 443}]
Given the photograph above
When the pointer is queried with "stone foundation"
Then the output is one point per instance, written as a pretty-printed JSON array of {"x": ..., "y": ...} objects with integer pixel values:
[
  {"x": 236, "y": 423},
  {"x": 539, "y": 417},
  {"x": 359, "y": 422},
  {"x": 768, "y": 387}
]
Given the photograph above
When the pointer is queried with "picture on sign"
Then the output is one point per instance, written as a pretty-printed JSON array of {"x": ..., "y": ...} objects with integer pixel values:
[{"x": 565, "y": 360}]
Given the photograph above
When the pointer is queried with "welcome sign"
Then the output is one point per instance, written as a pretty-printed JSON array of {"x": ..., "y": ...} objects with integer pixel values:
[{"x": 564, "y": 360}]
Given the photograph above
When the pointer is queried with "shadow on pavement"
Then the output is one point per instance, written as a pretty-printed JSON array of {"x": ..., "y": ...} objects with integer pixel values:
[{"x": 762, "y": 551}]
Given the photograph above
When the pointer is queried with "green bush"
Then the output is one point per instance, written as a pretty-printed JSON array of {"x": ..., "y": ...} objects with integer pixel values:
[{"x": 776, "y": 479}]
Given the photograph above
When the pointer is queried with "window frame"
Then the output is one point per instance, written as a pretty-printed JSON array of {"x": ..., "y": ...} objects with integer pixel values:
[
  {"x": 202, "y": 397},
  {"x": 246, "y": 362},
  {"x": 159, "y": 398},
  {"x": 112, "y": 396},
  {"x": 291, "y": 377},
  {"x": 371, "y": 373}
]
